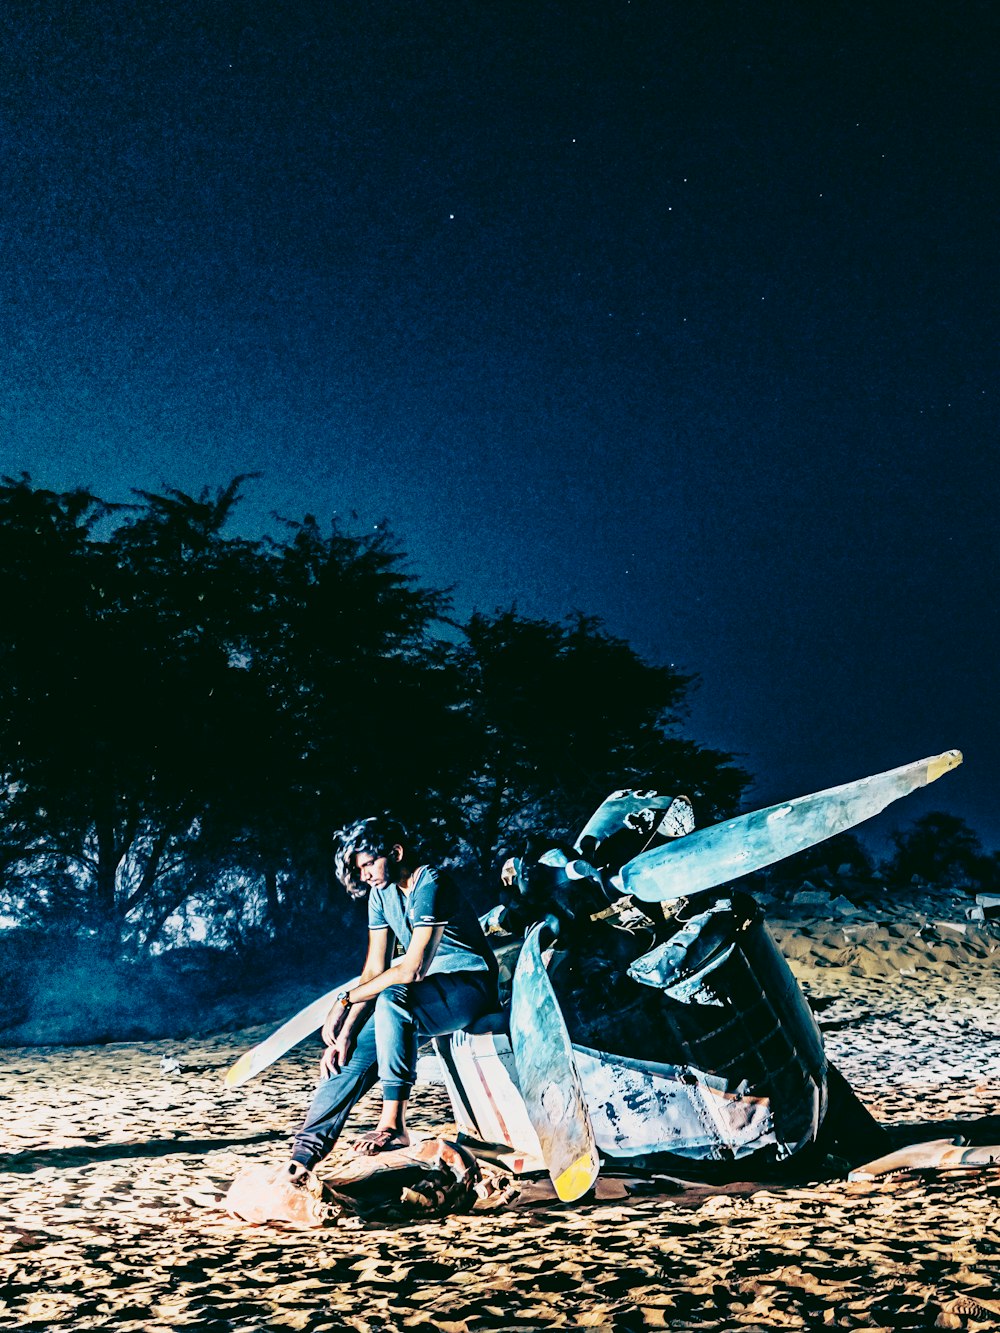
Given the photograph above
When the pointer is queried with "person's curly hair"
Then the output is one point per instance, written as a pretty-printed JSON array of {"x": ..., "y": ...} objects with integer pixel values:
[{"x": 376, "y": 835}]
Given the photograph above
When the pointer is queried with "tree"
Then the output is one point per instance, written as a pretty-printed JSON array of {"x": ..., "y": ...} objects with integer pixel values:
[
  {"x": 118, "y": 696},
  {"x": 360, "y": 695},
  {"x": 939, "y": 848},
  {"x": 189, "y": 714},
  {"x": 556, "y": 715},
  {"x": 49, "y": 570}
]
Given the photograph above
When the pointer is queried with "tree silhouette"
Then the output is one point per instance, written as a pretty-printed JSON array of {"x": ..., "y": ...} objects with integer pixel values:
[
  {"x": 556, "y": 715},
  {"x": 186, "y": 715},
  {"x": 359, "y": 696},
  {"x": 189, "y": 715},
  {"x": 116, "y": 698},
  {"x": 52, "y": 578},
  {"x": 940, "y": 848}
]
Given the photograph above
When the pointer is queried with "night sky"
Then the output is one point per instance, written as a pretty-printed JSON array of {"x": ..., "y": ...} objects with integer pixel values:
[{"x": 678, "y": 314}]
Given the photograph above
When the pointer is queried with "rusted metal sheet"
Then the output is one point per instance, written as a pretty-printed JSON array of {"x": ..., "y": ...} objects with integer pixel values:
[
  {"x": 641, "y": 1108},
  {"x": 644, "y": 811}
]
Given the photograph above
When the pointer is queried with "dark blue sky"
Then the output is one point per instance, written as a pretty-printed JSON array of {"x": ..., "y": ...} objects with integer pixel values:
[{"x": 682, "y": 315}]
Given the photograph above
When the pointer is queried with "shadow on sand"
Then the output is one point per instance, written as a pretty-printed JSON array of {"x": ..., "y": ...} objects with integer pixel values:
[
  {"x": 87, "y": 1154},
  {"x": 984, "y": 1131}
]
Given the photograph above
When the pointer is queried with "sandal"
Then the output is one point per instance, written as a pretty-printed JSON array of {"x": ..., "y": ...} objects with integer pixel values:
[{"x": 380, "y": 1140}]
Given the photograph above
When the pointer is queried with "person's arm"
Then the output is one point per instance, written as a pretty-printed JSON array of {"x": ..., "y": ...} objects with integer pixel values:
[
  {"x": 378, "y": 952},
  {"x": 344, "y": 1019},
  {"x": 430, "y": 908},
  {"x": 411, "y": 967},
  {"x": 433, "y": 900},
  {"x": 341, "y": 1021}
]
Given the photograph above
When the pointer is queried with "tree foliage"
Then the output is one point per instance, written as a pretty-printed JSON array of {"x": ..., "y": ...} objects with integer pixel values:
[
  {"x": 941, "y": 848},
  {"x": 556, "y": 716},
  {"x": 179, "y": 707},
  {"x": 187, "y": 715}
]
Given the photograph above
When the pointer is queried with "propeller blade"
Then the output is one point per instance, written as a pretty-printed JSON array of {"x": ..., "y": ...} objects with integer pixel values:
[
  {"x": 279, "y": 1043},
  {"x": 723, "y": 852},
  {"x": 548, "y": 1077}
]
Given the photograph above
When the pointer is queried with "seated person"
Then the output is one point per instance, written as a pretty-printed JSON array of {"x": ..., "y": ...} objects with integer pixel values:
[{"x": 445, "y": 979}]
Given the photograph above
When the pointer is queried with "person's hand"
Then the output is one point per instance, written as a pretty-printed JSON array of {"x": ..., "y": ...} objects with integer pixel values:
[
  {"x": 336, "y": 1055},
  {"x": 335, "y": 1021}
]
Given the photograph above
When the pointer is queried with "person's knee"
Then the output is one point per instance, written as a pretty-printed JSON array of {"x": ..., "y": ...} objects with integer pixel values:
[{"x": 393, "y": 1001}]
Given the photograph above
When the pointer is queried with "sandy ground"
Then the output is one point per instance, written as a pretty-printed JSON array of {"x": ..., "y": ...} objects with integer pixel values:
[{"x": 101, "y": 1150}]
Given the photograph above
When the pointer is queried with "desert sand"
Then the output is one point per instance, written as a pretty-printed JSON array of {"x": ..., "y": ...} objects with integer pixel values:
[{"x": 111, "y": 1169}]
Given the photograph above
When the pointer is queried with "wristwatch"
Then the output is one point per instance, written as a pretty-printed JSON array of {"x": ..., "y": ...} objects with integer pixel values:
[{"x": 344, "y": 998}]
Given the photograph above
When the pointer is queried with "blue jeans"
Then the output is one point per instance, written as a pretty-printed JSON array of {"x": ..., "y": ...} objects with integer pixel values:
[{"x": 386, "y": 1048}]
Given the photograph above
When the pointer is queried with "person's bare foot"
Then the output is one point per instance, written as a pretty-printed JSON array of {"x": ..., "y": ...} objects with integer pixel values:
[{"x": 380, "y": 1140}]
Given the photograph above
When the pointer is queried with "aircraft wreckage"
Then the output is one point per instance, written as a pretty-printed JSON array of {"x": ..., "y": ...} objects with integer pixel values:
[{"x": 652, "y": 1019}]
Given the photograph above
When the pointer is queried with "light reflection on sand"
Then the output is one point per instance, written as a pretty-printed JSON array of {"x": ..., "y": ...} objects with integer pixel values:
[{"x": 101, "y": 1151}]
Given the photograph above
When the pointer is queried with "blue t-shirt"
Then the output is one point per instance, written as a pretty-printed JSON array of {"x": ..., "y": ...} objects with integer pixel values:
[{"x": 434, "y": 900}]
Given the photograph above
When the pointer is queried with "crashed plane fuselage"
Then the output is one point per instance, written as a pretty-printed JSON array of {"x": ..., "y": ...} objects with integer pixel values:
[
  {"x": 686, "y": 1035},
  {"x": 701, "y": 1046}
]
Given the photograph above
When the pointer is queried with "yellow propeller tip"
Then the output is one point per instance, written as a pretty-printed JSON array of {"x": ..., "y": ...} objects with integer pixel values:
[
  {"x": 577, "y": 1179},
  {"x": 944, "y": 763},
  {"x": 240, "y": 1071}
]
